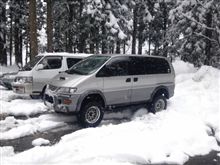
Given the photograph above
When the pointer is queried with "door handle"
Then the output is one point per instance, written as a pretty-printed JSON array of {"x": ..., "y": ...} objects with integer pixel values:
[
  {"x": 128, "y": 80},
  {"x": 135, "y": 79}
]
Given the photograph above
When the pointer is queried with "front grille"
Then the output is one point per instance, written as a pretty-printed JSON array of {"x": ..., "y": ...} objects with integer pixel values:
[{"x": 52, "y": 88}]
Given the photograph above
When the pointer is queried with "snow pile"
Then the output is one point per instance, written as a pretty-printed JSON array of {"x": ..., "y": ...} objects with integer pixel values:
[
  {"x": 23, "y": 107},
  {"x": 19, "y": 105},
  {"x": 199, "y": 96},
  {"x": 12, "y": 128},
  {"x": 190, "y": 126},
  {"x": 40, "y": 141},
  {"x": 181, "y": 67}
]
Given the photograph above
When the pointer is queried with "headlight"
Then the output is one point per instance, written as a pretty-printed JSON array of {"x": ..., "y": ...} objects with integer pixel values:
[
  {"x": 24, "y": 79},
  {"x": 66, "y": 90}
]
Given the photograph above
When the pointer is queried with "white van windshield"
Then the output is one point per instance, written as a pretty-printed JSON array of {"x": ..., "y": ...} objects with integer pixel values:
[
  {"x": 88, "y": 65},
  {"x": 29, "y": 66}
]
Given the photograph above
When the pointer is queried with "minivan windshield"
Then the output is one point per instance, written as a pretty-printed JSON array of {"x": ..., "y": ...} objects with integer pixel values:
[
  {"x": 88, "y": 65},
  {"x": 29, "y": 66}
]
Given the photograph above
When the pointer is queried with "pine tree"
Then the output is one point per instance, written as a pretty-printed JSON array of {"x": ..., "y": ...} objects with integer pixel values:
[{"x": 195, "y": 30}]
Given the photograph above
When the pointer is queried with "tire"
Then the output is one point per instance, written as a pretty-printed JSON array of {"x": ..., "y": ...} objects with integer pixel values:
[
  {"x": 158, "y": 104},
  {"x": 91, "y": 114},
  {"x": 42, "y": 93},
  {"x": 40, "y": 96}
]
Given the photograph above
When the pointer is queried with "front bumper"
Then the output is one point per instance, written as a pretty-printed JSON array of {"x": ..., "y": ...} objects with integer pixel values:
[
  {"x": 24, "y": 88},
  {"x": 60, "y": 102}
]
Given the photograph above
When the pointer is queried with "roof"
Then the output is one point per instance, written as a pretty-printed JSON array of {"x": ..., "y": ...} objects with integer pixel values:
[
  {"x": 65, "y": 54},
  {"x": 130, "y": 55}
]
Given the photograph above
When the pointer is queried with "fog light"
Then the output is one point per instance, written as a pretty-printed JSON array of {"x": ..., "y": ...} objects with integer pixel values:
[{"x": 67, "y": 101}]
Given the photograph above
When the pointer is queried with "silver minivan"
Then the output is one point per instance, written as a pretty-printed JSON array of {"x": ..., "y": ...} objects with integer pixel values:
[
  {"x": 103, "y": 82},
  {"x": 34, "y": 76}
]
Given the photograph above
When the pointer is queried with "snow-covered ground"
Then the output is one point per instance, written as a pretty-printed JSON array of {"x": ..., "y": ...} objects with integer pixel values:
[{"x": 190, "y": 126}]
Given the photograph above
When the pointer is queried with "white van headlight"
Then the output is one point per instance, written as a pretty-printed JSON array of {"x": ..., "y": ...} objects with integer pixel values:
[
  {"x": 24, "y": 79},
  {"x": 66, "y": 90}
]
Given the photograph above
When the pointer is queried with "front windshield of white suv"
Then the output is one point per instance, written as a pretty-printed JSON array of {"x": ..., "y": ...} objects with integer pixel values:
[
  {"x": 29, "y": 66},
  {"x": 88, "y": 65}
]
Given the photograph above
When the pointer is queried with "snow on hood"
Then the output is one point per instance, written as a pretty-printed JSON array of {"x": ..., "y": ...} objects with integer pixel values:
[{"x": 25, "y": 73}]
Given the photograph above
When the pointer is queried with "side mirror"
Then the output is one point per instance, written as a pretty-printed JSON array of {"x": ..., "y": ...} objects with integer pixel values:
[{"x": 40, "y": 67}]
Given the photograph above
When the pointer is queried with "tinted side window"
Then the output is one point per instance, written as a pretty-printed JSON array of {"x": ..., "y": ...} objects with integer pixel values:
[
  {"x": 138, "y": 65},
  {"x": 118, "y": 66},
  {"x": 156, "y": 66},
  {"x": 72, "y": 61},
  {"x": 52, "y": 62}
]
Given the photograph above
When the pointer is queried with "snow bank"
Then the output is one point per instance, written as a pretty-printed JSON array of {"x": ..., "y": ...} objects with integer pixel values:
[
  {"x": 190, "y": 126},
  {"x": 183, "y": 67}
]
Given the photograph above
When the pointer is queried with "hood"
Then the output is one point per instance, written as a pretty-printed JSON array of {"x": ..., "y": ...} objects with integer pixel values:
[
  {"x": 67, "y": 80},
  {"x": 24, "y": 74}
]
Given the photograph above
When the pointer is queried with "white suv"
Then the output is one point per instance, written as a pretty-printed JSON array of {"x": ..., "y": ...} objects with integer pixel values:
[
  {"x": 34, "y": 76},
  {"x": 103, "y": 82}
]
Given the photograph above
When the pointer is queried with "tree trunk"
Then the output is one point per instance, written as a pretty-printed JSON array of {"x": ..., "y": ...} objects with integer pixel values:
[
  {"x": 11, "y": 36},
  {"x": 49, "y": 26},
  {"x": 17, "y": 35},
  {"x": 124, "y": 47},
  {"x": 134, "y": 34},
  {"x": 70, "y": 33},
  {"x": 20, "y": 48},
  {"x": 33, "y": 29},
  {"x": 149, "y": 40},
  {"x": 140, "y": 35},
  {"x": 3, "y": 54},
  {"x": 118, "y": 46},
  {"x": 165, "y": 20},
  {"x": 27, "y": 54},
  {"x": 92, "y": 37},
  {"x": 104, "y": 40},
  {"x": 208, "y": 34}
]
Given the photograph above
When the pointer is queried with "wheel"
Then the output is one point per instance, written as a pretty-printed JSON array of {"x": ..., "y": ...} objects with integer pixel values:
[
  {"x": 158, "y": 104},
  {"x": 40, "y": 96},
  {"x": 91, "y": 114}
]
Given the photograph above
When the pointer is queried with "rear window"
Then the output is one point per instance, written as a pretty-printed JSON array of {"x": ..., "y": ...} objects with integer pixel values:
[
  {"x": 157, "y": 66},
  {"x": 72, "y": 61},
  {"x": 149, "y": 65}
]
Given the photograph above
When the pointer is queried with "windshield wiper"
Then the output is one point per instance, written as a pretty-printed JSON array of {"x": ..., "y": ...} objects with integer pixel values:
[{"x": 72, "y": 71}]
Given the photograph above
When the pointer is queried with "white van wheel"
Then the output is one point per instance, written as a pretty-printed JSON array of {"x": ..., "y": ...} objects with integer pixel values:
[
  {"x": 158, "y": 104},
  {"x": 91, "y": 114}
]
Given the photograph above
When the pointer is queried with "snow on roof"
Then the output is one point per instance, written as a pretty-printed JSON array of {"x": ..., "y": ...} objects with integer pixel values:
[
  {"x": 66, "y": 54},
  {"x": 130, "y": 55}
]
